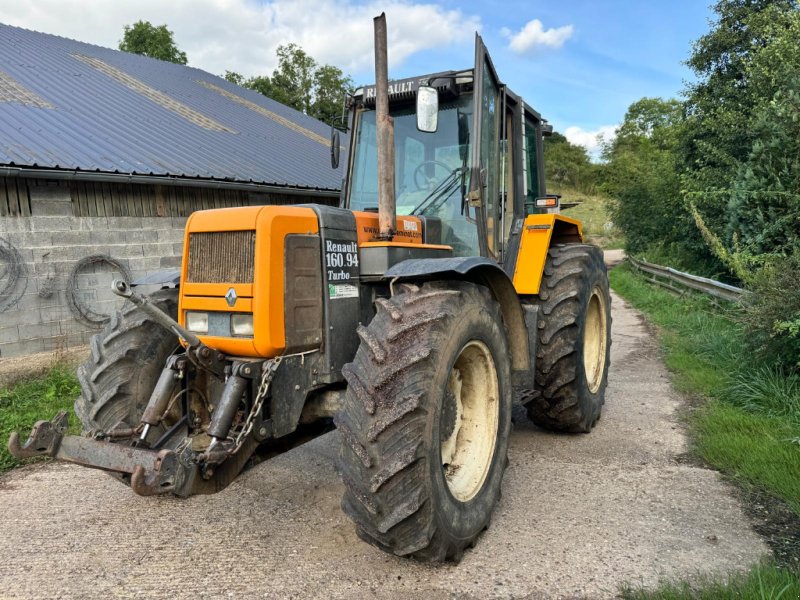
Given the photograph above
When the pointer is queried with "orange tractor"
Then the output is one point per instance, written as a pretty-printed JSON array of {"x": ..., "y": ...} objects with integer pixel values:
[{"x": 407, "y": 318}]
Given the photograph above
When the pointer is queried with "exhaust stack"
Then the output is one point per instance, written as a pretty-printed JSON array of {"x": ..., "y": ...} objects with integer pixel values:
[{"x": 384, "y": 126}]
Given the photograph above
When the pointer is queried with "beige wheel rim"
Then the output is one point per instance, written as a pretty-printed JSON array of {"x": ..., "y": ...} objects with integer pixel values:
[
  {"x": 470, "y": 415},
  {"x": 595, "y": 335}
]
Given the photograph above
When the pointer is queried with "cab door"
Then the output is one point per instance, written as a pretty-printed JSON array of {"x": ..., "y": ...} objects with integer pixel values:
[{"x": 485, "y": 180}]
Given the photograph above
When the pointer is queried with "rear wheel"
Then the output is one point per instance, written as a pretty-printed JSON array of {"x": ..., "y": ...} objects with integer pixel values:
[
  {"x": 574, "y": 340},
  {"x": 425, "y": 421}
]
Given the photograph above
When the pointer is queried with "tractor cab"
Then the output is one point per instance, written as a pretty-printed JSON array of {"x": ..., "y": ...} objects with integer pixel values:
[{"x": 467, "y": 156}]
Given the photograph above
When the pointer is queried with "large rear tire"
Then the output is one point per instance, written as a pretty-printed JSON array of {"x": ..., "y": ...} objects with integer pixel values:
[
  {"x": 126, "y": 360},
  {"x": 574, "y": 340},
  {"x": 425, "y": 421}
]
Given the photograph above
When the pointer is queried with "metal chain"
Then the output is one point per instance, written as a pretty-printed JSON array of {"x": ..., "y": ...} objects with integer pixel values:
[{"x": 267, "y": 373}]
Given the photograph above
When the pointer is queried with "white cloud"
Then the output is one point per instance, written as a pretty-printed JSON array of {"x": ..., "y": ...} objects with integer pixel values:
[
  {"x": 534, "y": 34},
  {"x": 591, "y": 140},
  {"x": 242, "y": 35}
]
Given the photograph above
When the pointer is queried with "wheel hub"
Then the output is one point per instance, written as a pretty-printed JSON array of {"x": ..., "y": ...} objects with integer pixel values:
[
  {"x": 595, "y": 335},
  {"x": 468, "y": 421},
  {"x": 450, "y": 423}
]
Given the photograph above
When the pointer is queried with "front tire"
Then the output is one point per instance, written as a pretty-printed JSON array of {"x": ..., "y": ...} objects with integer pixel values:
[
  {"x": 126, "y": 360},
  {"x": 425, "y": 421}
]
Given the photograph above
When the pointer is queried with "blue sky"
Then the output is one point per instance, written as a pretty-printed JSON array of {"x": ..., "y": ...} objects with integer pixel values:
[
  {"x": 581, "y": 64},
  {"x": 618, "y": 52}
]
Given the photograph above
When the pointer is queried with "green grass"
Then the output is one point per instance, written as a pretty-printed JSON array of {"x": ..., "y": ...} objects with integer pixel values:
[
  {"x": 593, "y": 213},
  {"x": 747, "y": 424},
  {"x": 26, "y": 402},
  {"x": 763, "y": 582},
  {"x": 752, "y": 447}
]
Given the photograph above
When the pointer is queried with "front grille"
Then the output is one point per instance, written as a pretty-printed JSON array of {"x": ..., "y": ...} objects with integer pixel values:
[{"x": 221, "y": 257}]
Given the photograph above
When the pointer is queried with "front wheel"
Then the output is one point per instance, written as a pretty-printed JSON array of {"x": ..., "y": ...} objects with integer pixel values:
[
  {"x": 126, "y": 360},
  {"x": 425, "y": 421}
]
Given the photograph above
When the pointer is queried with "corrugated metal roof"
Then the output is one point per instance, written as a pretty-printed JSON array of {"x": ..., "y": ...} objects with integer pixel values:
[{"x": 69, "y": 105}]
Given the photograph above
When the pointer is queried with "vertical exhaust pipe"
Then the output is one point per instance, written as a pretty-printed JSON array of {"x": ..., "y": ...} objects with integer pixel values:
[{"x": 384, "y": 126}]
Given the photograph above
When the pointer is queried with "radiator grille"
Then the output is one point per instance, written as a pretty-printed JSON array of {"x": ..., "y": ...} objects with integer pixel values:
[{"x": 221, "y": 257}]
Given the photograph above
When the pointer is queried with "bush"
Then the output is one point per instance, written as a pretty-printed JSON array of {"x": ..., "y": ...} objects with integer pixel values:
[{"x": 772, "y": 314}]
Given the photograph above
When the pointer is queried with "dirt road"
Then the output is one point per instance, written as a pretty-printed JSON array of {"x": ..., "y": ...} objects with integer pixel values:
[{"x": 579, "y": 515}]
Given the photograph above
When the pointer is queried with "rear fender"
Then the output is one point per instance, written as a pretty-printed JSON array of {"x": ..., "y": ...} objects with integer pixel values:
[{"x": 539, "y": 232}]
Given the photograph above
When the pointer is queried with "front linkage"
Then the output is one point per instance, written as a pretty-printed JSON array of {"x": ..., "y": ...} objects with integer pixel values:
[{"x": 152, "y": 467}]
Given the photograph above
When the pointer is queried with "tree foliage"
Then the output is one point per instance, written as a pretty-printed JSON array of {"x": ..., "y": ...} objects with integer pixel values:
[
  {"x": 713, "y": 182},
  {"x": 568, "y": 164},
  {"x": 719, "y": 105},
  {"x": 300, "y": 82},
  {"x": 641, "y": 175},
  {"x": 772, "y": 315},
  {"x": 150, "y": 40},
  {"x": 723, "y": 103},
  {"x": 764, "y": 205}
]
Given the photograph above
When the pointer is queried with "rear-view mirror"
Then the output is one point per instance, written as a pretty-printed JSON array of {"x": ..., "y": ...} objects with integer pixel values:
[
  {"x": 427, "y": 109},
  {"x": 334, "y": 148}
]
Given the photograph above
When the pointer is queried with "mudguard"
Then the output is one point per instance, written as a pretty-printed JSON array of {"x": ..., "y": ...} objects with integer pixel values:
[
  {"x": 170, "y": 278},
  {"x": 486, "y": 272}
]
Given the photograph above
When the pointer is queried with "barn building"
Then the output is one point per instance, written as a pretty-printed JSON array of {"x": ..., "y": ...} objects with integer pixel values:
[{"x": 103, "y": 155}]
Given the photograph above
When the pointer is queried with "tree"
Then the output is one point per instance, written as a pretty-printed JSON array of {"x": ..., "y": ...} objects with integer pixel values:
[
  {"x": 293, "y": 80},
  {"x": 651, "y": 118},
  {"x": 720, "y": 104},
  {"x": 331, "y": 87},
  {"x": 300, "y": 82},
  {"x": 567, "y": 164},
  {"x": 641, "y": 175},
  {"x": 764, "y": 205},
  {"x": 154, "y": 41}
]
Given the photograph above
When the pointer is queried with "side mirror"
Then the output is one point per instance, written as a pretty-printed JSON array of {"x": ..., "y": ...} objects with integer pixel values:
[
  {"x": 334, "y": 148},
  {"x": 427, "y": 109}
]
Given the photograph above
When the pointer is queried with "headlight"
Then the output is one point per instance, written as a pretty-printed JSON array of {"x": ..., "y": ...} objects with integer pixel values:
[
  {"x": 197, "y": 322},
  {"x": 242, "y": 324}
]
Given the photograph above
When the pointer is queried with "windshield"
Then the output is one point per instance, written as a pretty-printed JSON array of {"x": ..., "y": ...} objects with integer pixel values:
[{"x": 431, "y": 170}]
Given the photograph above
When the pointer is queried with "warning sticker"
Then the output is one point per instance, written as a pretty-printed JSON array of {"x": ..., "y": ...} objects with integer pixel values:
[{"x": 342, "y": 290}]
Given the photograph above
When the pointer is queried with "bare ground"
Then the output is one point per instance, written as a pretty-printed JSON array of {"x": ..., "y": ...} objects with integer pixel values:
[
  {"x": 19, "y": 368},
  {"x": 580, "y": 515}
]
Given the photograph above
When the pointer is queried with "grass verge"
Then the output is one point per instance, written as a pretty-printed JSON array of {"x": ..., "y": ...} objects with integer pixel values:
[
  {"x": 764, "y": 581},
  {"x": 746, "y": 424},
  {"x": 28, "y": 401}
]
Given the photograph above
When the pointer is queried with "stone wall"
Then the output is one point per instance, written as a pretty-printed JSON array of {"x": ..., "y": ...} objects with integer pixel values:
[{"x": 56, "y": 272}]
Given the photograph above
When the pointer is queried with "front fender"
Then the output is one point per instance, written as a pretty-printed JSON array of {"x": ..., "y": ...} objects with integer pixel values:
[
  {"x": 170, "y": 278},
  {"x": 483, "y": 271}
]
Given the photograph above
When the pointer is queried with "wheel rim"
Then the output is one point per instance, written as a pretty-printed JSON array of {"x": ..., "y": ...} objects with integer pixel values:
[
  {"x": 595, "y": 336},
  {"x": 469, "y": 418}
]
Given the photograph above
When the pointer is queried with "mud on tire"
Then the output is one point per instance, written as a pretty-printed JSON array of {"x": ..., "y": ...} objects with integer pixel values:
[
  {"x": 126, "y": 360},
  {"x": 574, "y": 340},
  {"x": 413, "y": 387}
]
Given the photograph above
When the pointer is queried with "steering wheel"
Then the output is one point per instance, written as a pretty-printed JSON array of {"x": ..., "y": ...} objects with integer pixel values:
[{"x": 419, "y": 171}]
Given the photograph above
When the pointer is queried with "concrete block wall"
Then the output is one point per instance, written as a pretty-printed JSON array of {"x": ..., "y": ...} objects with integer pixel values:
[{"x": 38, "y": 260}]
